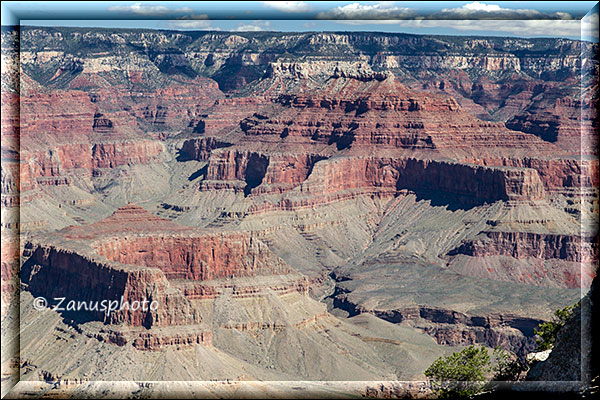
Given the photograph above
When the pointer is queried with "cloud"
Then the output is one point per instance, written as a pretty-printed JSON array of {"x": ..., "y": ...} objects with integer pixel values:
[
  {"x": 288, "y": 6},
  {"x": 255, "y": 26},
  {"x": 477, "y": 6},
  {"x": 589, "y": 27},
  {"x": 553, "y": 28},
  {"x": 139, "y": 8},
  {"x": 477, "y": 10},
  {"x": 379, "y": 11},
  {"x": 191, "y": 24},
  {"x": 358, "y": 14},
  {"x": 196, "y": 21}
]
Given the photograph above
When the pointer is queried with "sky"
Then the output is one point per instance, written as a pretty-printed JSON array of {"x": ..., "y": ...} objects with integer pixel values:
[{"x": 572, "y": 20}]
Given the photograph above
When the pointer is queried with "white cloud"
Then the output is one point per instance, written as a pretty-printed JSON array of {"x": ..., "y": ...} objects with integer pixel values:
[
  {"x": 380, "y": 10},
  {"x": 255, "y": 26},
  {"x": 477, "y": 10},
  {"x": 191, "y": 24},
  {"x": 387, "y": 12},
  {"x": 139, "y": 8},
  {"x": 248, "y": 28},
  {"x": 196, "y": 21},
  {"x": 477, "y": 6},
  {"x": 288, "y": 6},
  {"x": 525, "y": 28}
]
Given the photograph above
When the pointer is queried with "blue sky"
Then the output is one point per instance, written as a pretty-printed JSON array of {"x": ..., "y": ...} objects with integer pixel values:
[{"x": 500, "y": 18}]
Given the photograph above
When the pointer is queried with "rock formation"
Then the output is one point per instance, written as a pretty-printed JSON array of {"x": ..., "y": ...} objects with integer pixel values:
[{"x": 310, "y": 205}]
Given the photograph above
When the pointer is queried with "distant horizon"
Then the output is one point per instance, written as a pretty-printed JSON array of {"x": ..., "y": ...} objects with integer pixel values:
[
  {"x": 453, "y": 18},
  {"x": 27, "y": 24}
]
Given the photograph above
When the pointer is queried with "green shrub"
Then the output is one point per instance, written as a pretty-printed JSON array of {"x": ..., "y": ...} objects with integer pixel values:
[
  {"x": 507, "y": 367},
  {"x": 547, "y": 330},
  {"x": 461, "y": 374}
]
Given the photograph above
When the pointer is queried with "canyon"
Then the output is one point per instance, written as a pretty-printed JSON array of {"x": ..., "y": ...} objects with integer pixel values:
[{"x": 302, "y": 206}]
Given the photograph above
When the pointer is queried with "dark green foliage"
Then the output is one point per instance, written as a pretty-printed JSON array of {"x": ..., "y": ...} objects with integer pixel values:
[
  {"x": 507, "y": 366},
  {"x": 547, "y": 330},
  {"x": 461, "y": 374}
]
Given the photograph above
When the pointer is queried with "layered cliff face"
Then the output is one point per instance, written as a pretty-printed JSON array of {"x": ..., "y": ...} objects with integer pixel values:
[
  {"x": 523, "y": 245},
  {"x": 134, "y": 256},
  {"x": 424, "y": 190},
  {"x": 497, "y": 77},
  {"x": 316, "y": 177},
  {"x": 202, "y": 258},
  {"x": 66, "y": 272},
  {"x": 378, "y": 110},
  {"x": 535, "y": 258},
  {"x": 223, "y": 290}
]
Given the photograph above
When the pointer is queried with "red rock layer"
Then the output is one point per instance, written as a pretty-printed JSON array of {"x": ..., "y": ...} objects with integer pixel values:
[
  {"x": 556, "y": 174},
  {"x": 195, "y": 258},
  {"x": 9, "y": 268},
  {"x": 10, "y": 121},
  {"x": 137, "y": 256},
  {"x": 162, "y": 112},
  {"x": 64, "y": 159},
  {"x": 67, "y": 130},
  {"x": 258, "y": 172},
  {"x": 313, "y": 175},
  {"x": 129, "y": 218},
  {"x": 53, "y": 272},
  {"x": 465, "y": 180},
  {"x": 557, "y": 119},
  {"x": 384, "y": 113},
  {"x": 226, "y": 113},
  {"x": 56, "y": 118}
]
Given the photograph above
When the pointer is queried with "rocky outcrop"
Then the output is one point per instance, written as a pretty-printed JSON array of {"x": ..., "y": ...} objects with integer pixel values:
[
  {"x": 200, "y": 149},
  {"x": 454, "y": 328},
  {"x": 531, "y": 245},
  {"x": 460, "y": 180},
  {"x": 53, "y": 272},
  {"x": 284, "y": 284},
  {"x": 258, "y": 173},
  {"x": 558, "y": 174},
  {"x": 134, "y": 258},
  {"x": 153, "y": 342},
  {"x": 351, "y": 111},
  {"x": 312, "y": 175},
  {"x": 556, "y": 119},
  {"x": 533, "y": 258},
  {"x": 110, "y": 155},
  {"x": 55, "y": 165},
  {"x": 336, "y": 69},
  {"x": 574, "y": 356}
]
